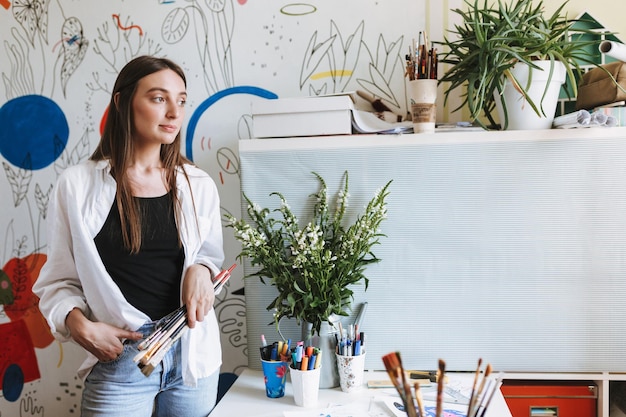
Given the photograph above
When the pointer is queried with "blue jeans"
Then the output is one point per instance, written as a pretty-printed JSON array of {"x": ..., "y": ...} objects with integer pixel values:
[{"x": 118, "y": 388}]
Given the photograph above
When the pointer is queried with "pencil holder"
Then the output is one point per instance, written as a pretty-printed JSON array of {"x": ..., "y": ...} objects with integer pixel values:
[
  {"x": 306, "y": 386},
  {"x": 351, "y": 370},
  {"x": 423, "y": 95},
  {"x": 275, "y": 376}
]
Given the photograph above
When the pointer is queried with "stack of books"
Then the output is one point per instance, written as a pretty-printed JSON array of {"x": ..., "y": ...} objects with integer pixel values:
[{"x": 333, "y": 114}]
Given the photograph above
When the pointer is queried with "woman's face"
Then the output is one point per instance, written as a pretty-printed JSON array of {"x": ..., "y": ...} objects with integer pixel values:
[{"x": 158, "y": 108}]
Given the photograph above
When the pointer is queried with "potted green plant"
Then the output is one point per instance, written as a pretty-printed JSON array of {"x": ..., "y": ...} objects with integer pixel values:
[
  {"x": 313, "y": 266},
  {"x": 492, "y": 42}
]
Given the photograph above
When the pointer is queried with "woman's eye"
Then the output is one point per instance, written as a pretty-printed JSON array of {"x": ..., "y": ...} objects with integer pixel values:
[
  {"x": 182, "y": 103},
  {"x": 159, "y": 99}
]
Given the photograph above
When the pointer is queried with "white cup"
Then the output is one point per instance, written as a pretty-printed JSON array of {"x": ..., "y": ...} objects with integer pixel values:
[
  {"x": 306, "y": 386},
  {"x": 423, "y": 96},
  {"x": 351, "y": 370}
]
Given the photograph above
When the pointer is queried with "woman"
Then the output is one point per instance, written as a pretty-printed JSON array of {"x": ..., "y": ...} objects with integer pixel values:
[{"x": 134, "y": 233}]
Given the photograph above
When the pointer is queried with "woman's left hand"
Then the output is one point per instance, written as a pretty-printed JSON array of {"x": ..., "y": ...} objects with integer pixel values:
[{"x": 198, "y": 294}]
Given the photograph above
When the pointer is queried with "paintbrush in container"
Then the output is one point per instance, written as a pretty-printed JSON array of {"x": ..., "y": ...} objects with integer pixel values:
[
  {"x": 393, "y": 365},
  {"x": 474, "y": 407},
  {"x": 473, "y": 394}
]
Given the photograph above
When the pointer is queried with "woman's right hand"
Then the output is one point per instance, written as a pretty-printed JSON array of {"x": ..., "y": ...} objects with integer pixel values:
[{"x": 102, "y": 340}]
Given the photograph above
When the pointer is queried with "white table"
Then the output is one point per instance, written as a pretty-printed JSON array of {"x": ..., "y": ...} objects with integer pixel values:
[{"x": 247, "y": 398}]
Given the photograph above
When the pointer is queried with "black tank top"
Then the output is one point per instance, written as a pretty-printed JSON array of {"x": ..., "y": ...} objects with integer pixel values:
[{"x": 150, "y": 279}]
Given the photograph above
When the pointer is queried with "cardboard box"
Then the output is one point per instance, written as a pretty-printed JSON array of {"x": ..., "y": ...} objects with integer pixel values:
[
  {"x": 304, "y": 116},
  {"x": 551, "y": 398}
]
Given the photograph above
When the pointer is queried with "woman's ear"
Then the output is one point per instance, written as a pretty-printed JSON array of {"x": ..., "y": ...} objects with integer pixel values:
[{"x": 116, "y": 99}]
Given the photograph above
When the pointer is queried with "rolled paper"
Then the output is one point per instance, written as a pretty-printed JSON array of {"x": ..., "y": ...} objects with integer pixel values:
[{"x": 613, "y": 49}]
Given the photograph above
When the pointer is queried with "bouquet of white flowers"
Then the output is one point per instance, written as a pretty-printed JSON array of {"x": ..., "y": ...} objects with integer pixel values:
[{"x": 311, "y": 267}]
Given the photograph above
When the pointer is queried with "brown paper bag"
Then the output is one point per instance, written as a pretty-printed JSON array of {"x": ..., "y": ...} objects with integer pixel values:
[{"x": 598, "y": 89}]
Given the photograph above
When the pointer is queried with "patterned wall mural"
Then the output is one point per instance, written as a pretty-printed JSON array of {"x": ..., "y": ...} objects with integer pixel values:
[{"x": 58, "y": 61}]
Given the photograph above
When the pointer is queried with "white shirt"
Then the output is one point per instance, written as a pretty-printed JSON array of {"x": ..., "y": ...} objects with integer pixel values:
[{"x": 75, "y": 277}]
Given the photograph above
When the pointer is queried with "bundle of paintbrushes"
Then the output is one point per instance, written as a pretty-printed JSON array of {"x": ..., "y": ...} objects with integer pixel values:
[
  {"x": 483, "y": 389},
  {"x": 167, "y": 331},
  {"x": 397, "y": 374}
]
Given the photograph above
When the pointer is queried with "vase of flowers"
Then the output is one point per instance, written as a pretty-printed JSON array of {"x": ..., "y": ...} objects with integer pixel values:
[{"x": 312, "y": 265}]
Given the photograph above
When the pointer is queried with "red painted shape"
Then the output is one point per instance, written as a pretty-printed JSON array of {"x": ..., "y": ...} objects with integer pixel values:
[
  {"x": 17, "y": 349},
  {"x": 25, "y": 307},
  {"x": 119, "y": 24}
]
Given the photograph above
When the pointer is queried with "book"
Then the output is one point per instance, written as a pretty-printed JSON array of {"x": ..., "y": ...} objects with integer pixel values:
[{"x": 303, "y": 116}]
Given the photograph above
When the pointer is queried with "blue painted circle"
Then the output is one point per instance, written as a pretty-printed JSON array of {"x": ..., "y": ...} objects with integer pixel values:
[
  {"x": 34, "y": 131},
  {"x": 195, "y": 117},
  {"x": 12, "y": 382}
]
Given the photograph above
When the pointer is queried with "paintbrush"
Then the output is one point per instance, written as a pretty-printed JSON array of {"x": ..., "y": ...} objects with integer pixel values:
[
  {"x": 156, "y": 345},
  {"x": 495, "y": 387},
  {"x": 222, "y": 277},
  {"x": 393, "y": 364},
  {"x": 160, "y": 354},
  {"x": 409, "y": 403},
  {"x": 376, "y": 102},
  {"x": 471, "y": 412},
  {"x": 440, "y": 382},
  {"x": 420, "y": 400},
  {"x": 168, "y": 330},
  {"x": 473, "y": 394},
  {"x": 381, "y": 110}
]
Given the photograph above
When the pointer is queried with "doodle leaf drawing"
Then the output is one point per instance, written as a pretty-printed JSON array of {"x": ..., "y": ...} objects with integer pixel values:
[
  {"x": 342, "y": 58},
  {"x": 42, "y": 199},
  {"x": 175, "y": 26},
  {"x": 347, "y": 52},
  {"x": 313, "y": 57},
  {"x": 384, "y": 65},
  {"x": 19, "y": 81},
  {"x": 19, "y": 179},
  {"x": 74, "y": 49},
  {"x": 213, "y": 31},
  {"x": 77, "y": 154},
  {"x": 32, "y": 15}
]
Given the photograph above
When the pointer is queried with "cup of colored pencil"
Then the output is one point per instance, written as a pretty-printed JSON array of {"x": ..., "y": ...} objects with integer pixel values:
[{"x": 168, "y": 331}]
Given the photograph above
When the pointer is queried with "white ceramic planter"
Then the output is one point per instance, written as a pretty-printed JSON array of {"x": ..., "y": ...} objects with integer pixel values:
[{"x": 520, "y": 114}]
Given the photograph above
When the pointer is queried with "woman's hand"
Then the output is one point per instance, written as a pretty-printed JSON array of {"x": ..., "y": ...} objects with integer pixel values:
[
  {"x": 198, "y": 294},
  {"x": 102, "y": 340}
]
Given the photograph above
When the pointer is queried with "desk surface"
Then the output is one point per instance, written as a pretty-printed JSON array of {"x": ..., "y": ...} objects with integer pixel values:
[{"x": 247, "y": 398}]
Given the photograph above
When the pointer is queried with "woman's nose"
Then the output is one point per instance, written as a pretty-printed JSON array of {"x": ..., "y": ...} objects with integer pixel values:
[{"x": 174, "y": 110}]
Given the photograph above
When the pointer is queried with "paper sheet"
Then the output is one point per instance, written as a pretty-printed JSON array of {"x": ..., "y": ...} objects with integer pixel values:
[
  {"x": 367, "y": 122},
  {"x": 430, "y": 408}
]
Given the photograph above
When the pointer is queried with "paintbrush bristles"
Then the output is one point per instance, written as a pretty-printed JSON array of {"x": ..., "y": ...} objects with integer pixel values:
[
  {"x": 482, "y": 389},
  {"x": 393, "y": 365}
]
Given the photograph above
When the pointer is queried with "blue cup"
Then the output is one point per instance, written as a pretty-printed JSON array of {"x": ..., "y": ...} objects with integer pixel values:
[{"x": 275, "y": 375}]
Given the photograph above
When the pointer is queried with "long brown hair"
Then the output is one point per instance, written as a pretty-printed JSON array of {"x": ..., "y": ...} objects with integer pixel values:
[{"x": 116, "y": 144}]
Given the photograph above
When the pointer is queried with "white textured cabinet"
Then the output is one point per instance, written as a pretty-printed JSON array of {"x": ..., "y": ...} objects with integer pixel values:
[{"x": 510, "y": 246}]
